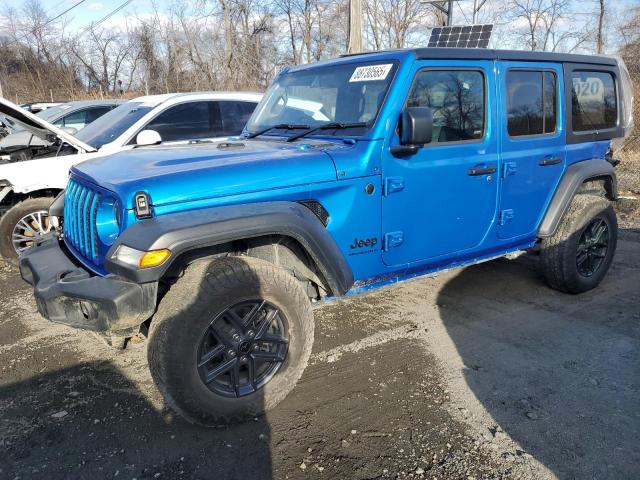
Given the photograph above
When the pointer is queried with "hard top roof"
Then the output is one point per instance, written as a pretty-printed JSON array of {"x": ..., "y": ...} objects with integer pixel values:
[{"x": 494, "y": 54}]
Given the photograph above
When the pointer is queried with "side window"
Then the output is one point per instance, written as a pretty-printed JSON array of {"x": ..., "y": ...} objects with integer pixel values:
[
  {"x": 96, "y": 112},
  {"x": 532, "y": 99},
  {"x": 77, "y": 120},
  {"x": 456, "y": 98},
  {"x": 187, "y": 121},
  {"x": 235, "y": 116},
  {"x": 593, "y": 101}
]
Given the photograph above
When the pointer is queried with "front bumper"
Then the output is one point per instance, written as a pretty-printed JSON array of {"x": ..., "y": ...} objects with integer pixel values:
[{"x": 69, "y": 294}]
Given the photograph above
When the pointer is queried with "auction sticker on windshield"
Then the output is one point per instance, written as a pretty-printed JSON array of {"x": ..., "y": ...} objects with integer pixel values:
[{"x": 371, "y": 73}]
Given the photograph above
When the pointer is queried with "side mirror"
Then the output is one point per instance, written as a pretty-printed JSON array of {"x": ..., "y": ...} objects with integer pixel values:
[
  {"x": 416, "y": 129},
  {"x": 70, "y": 130},
  {"x": 148, "y": 137}
]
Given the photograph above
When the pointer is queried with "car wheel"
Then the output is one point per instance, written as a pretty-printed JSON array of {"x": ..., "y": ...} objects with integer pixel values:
[
  {"x": 230, "y": 339},
  {"x": 577, "y": 257},
  {"x": 22, "y": 224}
]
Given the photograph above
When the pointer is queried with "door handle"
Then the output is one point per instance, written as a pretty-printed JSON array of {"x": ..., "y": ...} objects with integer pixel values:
[
  {"x": 475, "y": 171},
  {"x": 549, "y": 161}
]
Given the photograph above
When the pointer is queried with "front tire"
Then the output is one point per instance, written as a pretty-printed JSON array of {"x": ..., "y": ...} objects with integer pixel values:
[
  {"x": 22, "y": 224},
  {"x": 230, "y": 340},
  {"x": 577, "y": 257}
]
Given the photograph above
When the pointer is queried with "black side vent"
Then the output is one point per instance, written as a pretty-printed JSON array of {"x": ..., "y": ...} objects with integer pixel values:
[{"x": 317, "y": 209}]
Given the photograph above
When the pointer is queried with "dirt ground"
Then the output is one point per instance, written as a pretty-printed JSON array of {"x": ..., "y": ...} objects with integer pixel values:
[{"x": 482, "y": 372}]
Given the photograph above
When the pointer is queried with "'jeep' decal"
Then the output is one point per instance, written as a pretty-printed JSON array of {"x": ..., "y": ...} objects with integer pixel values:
[{"x": 364, "y": 242}]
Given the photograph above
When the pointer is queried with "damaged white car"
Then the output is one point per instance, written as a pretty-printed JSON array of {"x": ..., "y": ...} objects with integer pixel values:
[{"x": 27, "y": 188}]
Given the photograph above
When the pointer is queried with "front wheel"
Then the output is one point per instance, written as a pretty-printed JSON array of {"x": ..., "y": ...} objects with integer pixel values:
[
  {"x": 577, "y": 257},
  {"x": 22, "y": 224},
  {"x": 230, "y": 339}
]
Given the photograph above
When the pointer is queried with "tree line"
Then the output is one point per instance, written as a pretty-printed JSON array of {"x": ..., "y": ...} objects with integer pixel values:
[{"x": 240, "y": 44}]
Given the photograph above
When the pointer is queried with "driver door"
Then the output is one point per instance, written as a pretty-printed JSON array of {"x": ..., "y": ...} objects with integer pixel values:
[{"x": 441, "y": 201}]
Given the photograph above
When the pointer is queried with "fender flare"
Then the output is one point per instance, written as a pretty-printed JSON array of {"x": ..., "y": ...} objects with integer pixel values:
[
  {"x": 572, "y": 180},
  {"x": 196, "y": 229}
]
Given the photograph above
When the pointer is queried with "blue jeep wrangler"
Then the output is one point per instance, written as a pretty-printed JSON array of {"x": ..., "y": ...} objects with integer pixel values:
[{"x": 351, "y": 174}]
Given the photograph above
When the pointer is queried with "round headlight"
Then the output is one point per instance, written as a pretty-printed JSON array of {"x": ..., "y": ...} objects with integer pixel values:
[{"x": 108, "y": 220}]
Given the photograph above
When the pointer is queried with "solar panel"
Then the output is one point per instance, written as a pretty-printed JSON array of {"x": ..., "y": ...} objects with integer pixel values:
[{"x": 467, "y": 36}]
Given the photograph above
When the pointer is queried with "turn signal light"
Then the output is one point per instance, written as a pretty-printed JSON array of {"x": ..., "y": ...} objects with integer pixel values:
[{"x": 153, "y": 258}]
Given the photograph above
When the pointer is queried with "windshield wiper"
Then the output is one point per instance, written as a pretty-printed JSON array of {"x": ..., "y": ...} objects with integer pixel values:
[
  {"x": 280, "y": 126},
  {"x": 327, "y": 126}
]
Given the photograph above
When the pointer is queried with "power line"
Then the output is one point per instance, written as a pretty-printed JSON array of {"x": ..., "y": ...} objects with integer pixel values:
[
  {"x": 462, "y": 12},
  {"x": 48, "y": 22},
  {"x": 104, "y": 19}
]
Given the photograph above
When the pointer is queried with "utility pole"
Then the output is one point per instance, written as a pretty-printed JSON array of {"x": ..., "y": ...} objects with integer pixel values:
[
  {"x": 355, "y": 26},
  {"x": 599, "y": 38}
]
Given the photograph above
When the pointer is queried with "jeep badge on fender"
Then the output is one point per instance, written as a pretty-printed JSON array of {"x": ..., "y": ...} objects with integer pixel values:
[
  {"x": 240, "y": 241},
  {"x": 367, "y": 242}
]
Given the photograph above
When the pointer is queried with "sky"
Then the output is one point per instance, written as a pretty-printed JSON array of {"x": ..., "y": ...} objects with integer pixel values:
[{"x": 93, "y": 10}]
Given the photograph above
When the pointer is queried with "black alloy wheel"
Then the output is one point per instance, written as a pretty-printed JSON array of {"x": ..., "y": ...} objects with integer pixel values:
[
  {"x": 243, "y": 348},
  {"x": 592, "y": 247}
]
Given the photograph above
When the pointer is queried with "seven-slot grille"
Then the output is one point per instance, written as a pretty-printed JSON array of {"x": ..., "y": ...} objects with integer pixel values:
[{"x": 80, "y": 209}]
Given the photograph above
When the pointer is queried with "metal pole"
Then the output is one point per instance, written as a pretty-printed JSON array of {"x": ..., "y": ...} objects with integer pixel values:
[
  {"x": 475, "y": 12},
  {"x": 450, "y": 13}
]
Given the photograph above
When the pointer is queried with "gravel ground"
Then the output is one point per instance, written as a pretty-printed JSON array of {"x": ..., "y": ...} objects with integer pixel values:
[{"x": 478, "y": 373}]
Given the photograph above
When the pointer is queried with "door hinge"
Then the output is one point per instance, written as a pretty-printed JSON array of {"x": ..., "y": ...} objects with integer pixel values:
[
  {"x": 392, "y": 185},
  {"x": 509, "y": 168},
  {"x": 505, "y": 216},
  {"x": 393, "y": 239}
]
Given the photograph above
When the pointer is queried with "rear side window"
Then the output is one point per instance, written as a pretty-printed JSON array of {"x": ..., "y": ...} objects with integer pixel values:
[
  {"x": 235, "y": 116},
  {"x": 456, "y": 98},
  {"x": 593, "y": 101},
  {"x": 76, "y": 120},
  {"x": 532, "y": 99}
]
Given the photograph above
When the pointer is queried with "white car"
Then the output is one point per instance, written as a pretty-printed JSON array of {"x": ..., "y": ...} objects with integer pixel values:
[
  {"x": 27, "y": 188},
  {"x": 72, "y": 117}
]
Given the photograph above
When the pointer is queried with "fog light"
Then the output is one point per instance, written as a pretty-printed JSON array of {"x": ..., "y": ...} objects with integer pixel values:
[{"x": 140, "y": 259}]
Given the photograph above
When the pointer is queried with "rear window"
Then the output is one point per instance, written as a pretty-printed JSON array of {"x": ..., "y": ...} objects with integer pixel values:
[{"x": 593, "y": 101}]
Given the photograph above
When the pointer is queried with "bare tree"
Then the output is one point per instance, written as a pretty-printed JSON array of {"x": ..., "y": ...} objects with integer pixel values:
[{"x": 549, "y": 25}]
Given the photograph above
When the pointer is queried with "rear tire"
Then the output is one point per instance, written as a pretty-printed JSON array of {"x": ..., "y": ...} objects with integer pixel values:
[
  {"x": 34, "y": 213},
  {"x": 577, "y": 257},
  {"x": 227, "y": 306}
]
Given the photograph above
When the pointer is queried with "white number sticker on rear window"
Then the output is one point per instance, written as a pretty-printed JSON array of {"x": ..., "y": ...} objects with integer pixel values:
[
  {"x": 371, "y": 73},
  {"x": 589, "y": 90}
]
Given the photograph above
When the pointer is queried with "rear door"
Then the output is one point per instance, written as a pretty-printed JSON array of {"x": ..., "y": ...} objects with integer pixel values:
[{"x": 532, "y": 141}]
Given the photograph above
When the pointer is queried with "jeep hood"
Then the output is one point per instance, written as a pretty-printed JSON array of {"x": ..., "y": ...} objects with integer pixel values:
[
  {"x": 198, "y": 172},
  {"x": 39, "y": 127}
]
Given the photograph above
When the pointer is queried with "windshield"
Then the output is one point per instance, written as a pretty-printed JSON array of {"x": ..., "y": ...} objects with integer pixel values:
[
  {"x": 349, "y": 93},
  {"x": 112, "y": 124}
]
